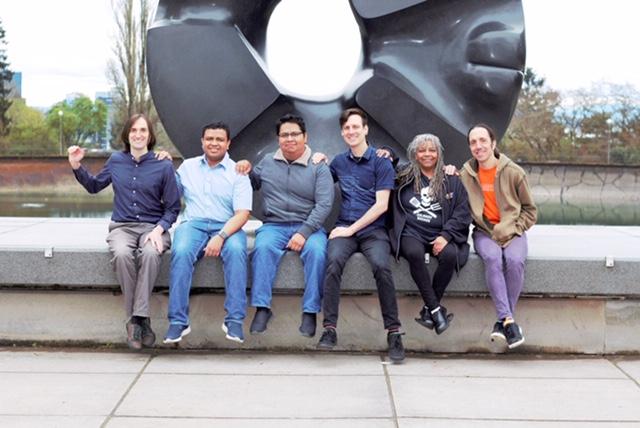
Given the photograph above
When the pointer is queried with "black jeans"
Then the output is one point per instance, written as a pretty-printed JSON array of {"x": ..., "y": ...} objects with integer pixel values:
[
  {"x": 413, "y": 250},
  {"x": 375, "y": 247}
]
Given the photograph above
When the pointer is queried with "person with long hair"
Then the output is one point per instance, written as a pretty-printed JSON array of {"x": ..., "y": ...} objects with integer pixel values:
[
  {"x": 146, "y": 203},
  {"x": 431, "y": 216},
  {"x": 503, "y": 210}
]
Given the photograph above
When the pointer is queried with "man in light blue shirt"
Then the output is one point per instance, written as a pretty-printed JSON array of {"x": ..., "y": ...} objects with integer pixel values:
[{"x": 218, "y": 203}]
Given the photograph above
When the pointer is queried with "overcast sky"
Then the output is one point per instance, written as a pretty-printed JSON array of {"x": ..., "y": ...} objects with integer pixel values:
[{"x": 63, "y": 46}]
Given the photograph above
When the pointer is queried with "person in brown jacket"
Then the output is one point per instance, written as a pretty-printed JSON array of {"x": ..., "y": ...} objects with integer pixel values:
[{"x": 503, "y": 210}]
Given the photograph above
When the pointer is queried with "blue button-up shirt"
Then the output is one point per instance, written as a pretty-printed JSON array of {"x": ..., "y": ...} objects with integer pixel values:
[
  {"x": 359, "y": 180},
  {"x": 213, "y": 193},
  {"x": 144, "y": 190}
]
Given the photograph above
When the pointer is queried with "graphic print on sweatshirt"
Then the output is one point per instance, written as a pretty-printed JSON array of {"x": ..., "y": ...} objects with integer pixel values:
[{"x": 426, "y": 208}]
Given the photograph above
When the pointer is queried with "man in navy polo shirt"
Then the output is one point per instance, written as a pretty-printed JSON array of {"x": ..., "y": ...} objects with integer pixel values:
[{"x": 365, "y": 182}]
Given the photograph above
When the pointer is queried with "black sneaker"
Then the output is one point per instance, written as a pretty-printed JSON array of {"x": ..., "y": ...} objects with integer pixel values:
[
  {"x": 260, "y": 320},
  {"x": 513, "y": 335},
  {"x": 424, "y": 319},
  {"x": 396, "y": 349},
  {"x": 498, "y": 332},
  {"x": 134, "y": 336},
  {"x": 439, "y": 320},
  {"x": 308, "y": 324},
  {"x": 329, "y": 339},
  {"x": 148, "y": 336}
]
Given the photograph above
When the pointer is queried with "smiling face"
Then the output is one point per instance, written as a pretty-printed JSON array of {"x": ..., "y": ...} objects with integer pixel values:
[
  {"x": 139, "y": 136},
  {"x": 427, "y": 156},
  {"x": 482, "y": 146},
  {"x": 354, "y": 132},
  {"x": 291, "y": 140},
  {"x": 215, "y": 144}
]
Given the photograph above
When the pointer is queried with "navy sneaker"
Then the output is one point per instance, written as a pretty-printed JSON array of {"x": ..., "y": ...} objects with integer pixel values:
[
  {"x": 513, "y": 333},
  {"x": 308, "y": 324},
  {"x": 260, "y": 320},
  {"x": 498, "y": 332},
  {"x": 233, "y": 331},
  {"x": 176, "y": 332}
]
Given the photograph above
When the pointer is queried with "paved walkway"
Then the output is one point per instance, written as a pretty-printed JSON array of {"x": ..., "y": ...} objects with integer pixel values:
[{"x": 42, "y": 388}]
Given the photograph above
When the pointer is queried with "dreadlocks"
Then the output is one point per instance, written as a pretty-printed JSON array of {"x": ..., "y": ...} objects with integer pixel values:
[{"x": 413, "y": 172}]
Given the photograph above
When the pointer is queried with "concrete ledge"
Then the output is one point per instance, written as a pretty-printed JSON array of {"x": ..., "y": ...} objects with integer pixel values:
[
  {"x": 545, "y": 276},
  {"x": 563, "y": 261},
  {"x": 572, "y": 302},
  {"x": 560, "y": 325}
]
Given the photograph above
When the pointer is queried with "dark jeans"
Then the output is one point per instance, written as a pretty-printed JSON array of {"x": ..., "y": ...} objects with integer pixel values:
[
  {"x": 413, "y": 250},
  {"x": 375, "y": 247}
]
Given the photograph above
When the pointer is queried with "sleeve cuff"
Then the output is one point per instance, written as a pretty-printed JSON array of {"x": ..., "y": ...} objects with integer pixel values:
[{"x": 306, "y": 231}]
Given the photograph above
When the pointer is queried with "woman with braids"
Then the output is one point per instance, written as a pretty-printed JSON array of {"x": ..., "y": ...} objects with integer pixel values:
[{"x": 430, "y": 213}]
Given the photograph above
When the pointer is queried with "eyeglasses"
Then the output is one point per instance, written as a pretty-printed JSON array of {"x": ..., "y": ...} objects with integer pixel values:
[{"x": 286, "y": 135}]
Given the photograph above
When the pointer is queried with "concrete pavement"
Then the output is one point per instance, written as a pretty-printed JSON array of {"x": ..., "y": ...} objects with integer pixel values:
[{"x": 47, "y": 388}]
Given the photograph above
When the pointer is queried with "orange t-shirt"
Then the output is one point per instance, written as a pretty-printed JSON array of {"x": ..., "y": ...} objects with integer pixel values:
[{"x": 487, "y": 179}]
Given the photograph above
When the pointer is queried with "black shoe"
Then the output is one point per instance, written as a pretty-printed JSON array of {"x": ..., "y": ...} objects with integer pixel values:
[
  {"x": 513, "y": 334},
  {"x": 424, "y": 319},
  {"x": 260, "y": 320},
  {"x": 329, "y": 339},
  {"x": 498, "y": 331},
  {"x": 148, "y": 336},
  {"x": 396, "y": 349},
  {"x": 308, "y": 324},
  {"x": 134, "y": 336},
  {"x": 439, "y": 320}
]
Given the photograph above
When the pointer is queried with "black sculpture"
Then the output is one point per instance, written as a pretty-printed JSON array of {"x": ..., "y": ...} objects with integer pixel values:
[{"x": 435, "y": 66}]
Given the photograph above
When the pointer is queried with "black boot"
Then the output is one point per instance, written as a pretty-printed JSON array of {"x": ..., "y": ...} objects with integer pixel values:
[
  {"x": 440, "y": 321},
  {"x": 424, "y": 319}
]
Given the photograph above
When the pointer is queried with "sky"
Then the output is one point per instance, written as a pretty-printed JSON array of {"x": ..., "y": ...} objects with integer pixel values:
[{"x": 63, "y": 46}]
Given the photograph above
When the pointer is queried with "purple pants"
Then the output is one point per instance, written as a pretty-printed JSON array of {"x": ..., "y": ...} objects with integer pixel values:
[{"x": 503, "y": 270}]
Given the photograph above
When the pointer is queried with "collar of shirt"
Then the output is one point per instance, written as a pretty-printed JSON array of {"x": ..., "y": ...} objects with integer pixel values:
[
  {"x": 147, "y": 156},
  {"x": 224, "y": 163},
  {"x": 302, "y": 160},
  {"x": 366, "y": 155}
]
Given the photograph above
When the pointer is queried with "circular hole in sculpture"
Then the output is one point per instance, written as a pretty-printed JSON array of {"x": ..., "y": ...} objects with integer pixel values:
[{"x": 314, "y": 48}]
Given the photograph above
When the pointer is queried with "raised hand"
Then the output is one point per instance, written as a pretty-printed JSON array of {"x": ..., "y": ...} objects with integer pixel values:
[{"x": 76, "y": 154}]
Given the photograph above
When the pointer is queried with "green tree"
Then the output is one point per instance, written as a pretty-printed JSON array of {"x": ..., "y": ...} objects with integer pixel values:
[
  {"x": 535, "y": 133},
  {"x": 82, "y": 121},
  {"x": 5, "y": 89},
  {"x": 30, "y": 134}
]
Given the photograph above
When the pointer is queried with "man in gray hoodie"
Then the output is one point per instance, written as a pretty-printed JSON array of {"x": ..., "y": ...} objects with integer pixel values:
[{"x": 297, "y": 197}]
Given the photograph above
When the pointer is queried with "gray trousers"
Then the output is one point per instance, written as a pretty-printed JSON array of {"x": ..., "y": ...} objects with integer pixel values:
[{"x": 136, "y": 266}]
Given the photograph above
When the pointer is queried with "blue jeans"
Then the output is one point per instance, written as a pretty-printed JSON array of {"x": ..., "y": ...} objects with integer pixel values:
[
  {"x": 189, "y": 242},
  {"x": 270, "y": 246}
]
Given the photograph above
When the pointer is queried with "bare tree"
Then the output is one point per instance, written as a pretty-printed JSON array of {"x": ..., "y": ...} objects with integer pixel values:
[{"x": 127, "y": 71}]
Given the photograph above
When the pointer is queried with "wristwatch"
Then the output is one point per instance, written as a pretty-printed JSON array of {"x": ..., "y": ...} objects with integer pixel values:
[{"x": 222, "y": 234}]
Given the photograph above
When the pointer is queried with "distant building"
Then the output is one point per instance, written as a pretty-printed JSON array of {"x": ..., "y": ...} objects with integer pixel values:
[
  {"x": 15, "y": 86},
  {"x": 70, "y": 98},
  {"x": 107, "y": 99}
]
